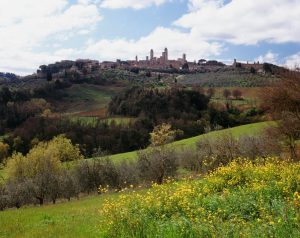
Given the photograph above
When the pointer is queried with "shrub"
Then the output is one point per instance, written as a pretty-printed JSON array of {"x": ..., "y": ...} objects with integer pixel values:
[{"x": 243, "y": 199}]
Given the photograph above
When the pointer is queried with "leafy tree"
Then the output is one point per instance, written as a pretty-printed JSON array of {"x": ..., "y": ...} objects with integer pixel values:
[
  {"x": 42, "y": 167},
  {"x": 3, "y": 151},
  {"x": 63, "y": 149},
  {"x": 162, "y": 134}
]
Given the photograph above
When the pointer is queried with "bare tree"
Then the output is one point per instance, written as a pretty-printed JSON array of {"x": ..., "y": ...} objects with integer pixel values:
[
  {"x": 159, "y": 161},
  {"x": 210, "y": 92},
  {"x": 237, "y": 94},
  {"x": 283, "y": 100},
  {"x": 226, "y": 93}
]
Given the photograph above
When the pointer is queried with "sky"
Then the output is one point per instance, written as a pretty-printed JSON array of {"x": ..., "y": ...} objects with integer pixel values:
[{"x": 35, "y": 32}]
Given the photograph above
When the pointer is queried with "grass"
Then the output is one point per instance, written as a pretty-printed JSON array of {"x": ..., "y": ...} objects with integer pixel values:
[
  {"x": 73, "y": 219},
  {"x": 93, "y": 120},
  {"x": 85, "y": 97},
  {"x": 243, "y": 199},
  {"x": 250, "y": 129}
]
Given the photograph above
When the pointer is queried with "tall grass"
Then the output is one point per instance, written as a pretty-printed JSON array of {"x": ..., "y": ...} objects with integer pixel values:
[{"x": 244, "y": 199}]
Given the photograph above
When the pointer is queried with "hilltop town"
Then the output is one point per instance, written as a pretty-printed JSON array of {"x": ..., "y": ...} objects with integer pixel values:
[{"x": 152, "y": 63}]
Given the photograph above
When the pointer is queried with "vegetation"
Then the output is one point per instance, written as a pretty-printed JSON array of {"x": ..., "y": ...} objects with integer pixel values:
[
  {"x": 248, "y": 199},
  {"x": 159, "y": 103},
  {"x": 235, "y": 182},
  {"x": 283, "y": 102},
  {"x": 254, "y": 129},
  {"x": 243, "y": 199},
  {"x": 228, "y": 78}
]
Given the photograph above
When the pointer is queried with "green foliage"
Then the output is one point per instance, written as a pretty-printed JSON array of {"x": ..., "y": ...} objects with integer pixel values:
[
  {"x": 243, "y": 199},
  {"x": 190, "y": 143},
  {"x": 40, "y": 173},
  {"x": 63, "y": 149},
  {"x": 159, "y": 104},
  {"x": 162, "y": 134},
  {"x": 3, "y": 151},
  {"x": 45, "y": 154}
]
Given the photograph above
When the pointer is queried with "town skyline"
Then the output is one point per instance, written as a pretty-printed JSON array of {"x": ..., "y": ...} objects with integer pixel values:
[{"x": 107, "y": 30}]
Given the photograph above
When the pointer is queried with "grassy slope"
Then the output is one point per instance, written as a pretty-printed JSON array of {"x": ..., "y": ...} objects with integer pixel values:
[
  {"x": 251, "y": 129},
  {"x": 73, "y": 219},
  {"x": 230, "y": 204},
  {"x": 85, "y": 97}
]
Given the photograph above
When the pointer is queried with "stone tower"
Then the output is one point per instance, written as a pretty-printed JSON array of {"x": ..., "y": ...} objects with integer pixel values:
[
  {"x": 166, "y": 54},
  {"x": 184, "y": 57},
  {"x": 151, "y": 54}
]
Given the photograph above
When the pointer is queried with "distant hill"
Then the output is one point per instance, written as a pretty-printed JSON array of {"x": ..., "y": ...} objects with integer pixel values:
[{"x": 8, "y": 76}]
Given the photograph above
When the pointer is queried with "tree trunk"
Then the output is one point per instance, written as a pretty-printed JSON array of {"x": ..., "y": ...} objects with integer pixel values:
[{"x": 41, "y": 201}]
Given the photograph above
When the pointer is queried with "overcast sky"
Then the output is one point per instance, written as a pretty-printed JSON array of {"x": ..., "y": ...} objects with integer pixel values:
[{"x": 35, "y": 32}]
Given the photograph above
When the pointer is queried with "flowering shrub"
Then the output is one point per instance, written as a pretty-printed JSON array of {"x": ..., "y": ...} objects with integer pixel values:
[{"x": 243, "y": 199}]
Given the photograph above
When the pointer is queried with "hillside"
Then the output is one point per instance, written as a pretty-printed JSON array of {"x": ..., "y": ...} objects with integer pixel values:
[
  {"x": 251, "y": 130},
  {"x": 228, "y": 77},
  {"x": 240, "y": 200}
]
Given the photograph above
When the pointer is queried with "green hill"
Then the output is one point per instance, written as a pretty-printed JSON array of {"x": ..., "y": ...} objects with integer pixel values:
[{"x": 250, "y": 129}]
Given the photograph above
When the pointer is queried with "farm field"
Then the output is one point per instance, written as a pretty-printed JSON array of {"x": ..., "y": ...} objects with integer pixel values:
[
  {"x": 85, "y": 98},
  {"x": 93, "y": 120},
  {"x": 227, "y": 78},
  {"x": 239, "y": 200}
]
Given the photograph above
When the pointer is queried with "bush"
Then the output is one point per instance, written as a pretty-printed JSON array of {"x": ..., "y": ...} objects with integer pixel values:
[{"x": 156, "y": 164}]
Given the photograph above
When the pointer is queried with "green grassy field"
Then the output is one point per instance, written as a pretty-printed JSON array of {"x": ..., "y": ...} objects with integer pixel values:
[
  {"x": 93, "y": 120},
  {"x": 85, "y": 97},
  {"x": 251, "y": 129},
  {"x": 71, "y": 219}
]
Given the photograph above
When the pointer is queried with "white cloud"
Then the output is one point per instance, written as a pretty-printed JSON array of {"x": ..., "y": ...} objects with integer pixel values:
[
  {"x": 195, "y": 5},
  {"x": 244, "y": 22},
  {"x": 135, "y": 4},
  {"x": 30, "y": 25},
  {"x": 176, "y": 41},
  {"x": 269, "y": 57},
  {"x": 293, "y": 61}
]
